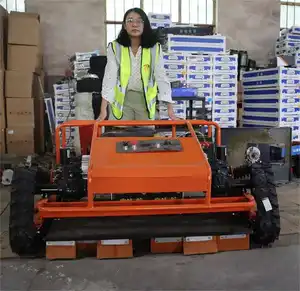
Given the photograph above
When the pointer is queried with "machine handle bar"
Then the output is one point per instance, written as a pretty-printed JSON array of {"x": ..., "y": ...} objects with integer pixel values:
[{"x": 116, "y": 123}]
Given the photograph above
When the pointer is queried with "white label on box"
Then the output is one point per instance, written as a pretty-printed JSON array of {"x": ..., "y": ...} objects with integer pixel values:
[
  {"x": 198, "y": 238},
  {"x": 115, "y": 242},
  {"x": 267, "y": 204},
  {"x": 234, "y": 236},
  {"x": 60, "y": 243},
  {"x": 11, "y": 131},
  {"x": 168, "y": 239}
]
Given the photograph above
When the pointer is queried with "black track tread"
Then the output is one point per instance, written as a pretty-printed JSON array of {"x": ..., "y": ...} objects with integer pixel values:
[
  {"x": 267, "y": 224},
  {"x": 240, "y": 172},
  {"x": 23, "y": 236}
]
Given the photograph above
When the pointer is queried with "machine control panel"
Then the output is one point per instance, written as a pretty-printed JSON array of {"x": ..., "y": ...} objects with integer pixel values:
[{"x": 143, "y": 146}]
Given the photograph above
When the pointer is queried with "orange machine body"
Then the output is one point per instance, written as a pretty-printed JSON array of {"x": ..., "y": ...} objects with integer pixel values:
[
  {"x": 112, "y": 172},
  {"x": 150, "y": 172}
]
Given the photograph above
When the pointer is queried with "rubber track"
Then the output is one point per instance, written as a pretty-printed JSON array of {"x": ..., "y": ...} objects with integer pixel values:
[
  {"x": 267, "y": 223},
  {"x": 23, "y": 236}
]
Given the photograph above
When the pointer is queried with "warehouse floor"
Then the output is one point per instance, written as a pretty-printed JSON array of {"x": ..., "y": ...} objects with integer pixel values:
[{"x": 263, "y": 269}]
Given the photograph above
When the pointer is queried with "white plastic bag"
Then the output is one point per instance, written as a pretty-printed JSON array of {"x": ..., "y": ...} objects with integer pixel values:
[{"x": 7, "y": 177}]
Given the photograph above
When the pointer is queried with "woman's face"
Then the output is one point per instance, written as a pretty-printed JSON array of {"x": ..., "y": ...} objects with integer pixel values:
[{"x": 134, "y": 24}]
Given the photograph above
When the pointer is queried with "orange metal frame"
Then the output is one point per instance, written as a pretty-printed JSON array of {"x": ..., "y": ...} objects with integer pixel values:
[{"x": 93, "y": 208}]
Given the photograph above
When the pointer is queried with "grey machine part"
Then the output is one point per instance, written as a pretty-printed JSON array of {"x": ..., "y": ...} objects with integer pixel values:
[{"x": 265, "y": 140}]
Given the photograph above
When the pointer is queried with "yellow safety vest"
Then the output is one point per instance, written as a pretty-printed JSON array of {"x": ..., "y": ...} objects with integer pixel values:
[{"x": 149, "y": 59}]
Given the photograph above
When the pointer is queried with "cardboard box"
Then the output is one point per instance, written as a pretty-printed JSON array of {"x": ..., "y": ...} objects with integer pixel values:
[
  {"x": 59, "y": 250},
  {"x": 20, "y": 84},
  {"x": 233, "y": 242},
  {"x": 2, "y": 119},
  {"x": 20, "y": 112},
  {"x": 2, "y": 142},
  {"x": 197, "y": 245},
  {"x": 114, "y": 249},
  {"x": 24, "y": 28},
  {"x": 26, "y": 112},
  {"x": 2, "y": 102},
  {"x": 20, "y": 140},
  {"x": 24, "y": 58},
  {"x": 29, "y": 115},
  {"x": 3, "y": 36}
]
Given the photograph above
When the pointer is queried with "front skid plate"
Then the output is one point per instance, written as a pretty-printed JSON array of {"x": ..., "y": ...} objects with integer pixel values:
[{"x": 144, "y": 227}]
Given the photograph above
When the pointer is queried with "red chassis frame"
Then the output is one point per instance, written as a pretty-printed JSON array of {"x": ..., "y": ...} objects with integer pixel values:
[{"x": 90, "y": 208}]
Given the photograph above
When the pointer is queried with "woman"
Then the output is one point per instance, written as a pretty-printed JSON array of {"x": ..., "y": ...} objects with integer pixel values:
[{"x": 134, "y": 75}]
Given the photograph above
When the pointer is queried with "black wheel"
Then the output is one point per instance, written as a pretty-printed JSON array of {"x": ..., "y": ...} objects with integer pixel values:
[
  {"x": 266, "y": 226},
  {"x": 24, "y": 238}
]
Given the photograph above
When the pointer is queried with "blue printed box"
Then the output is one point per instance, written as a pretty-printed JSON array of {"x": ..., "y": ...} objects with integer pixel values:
[
  {"x": 199, "y": 78},
  {"x": 175, "y": 76},
  {"x": 206, "y": 94},
  {"x": 271, "y": 83},
  {"x": 276, "y": 121},
  {"x": 155, "y": 25},
  {"x": 225, "y": 68},
  {"x": 272, "y": 74},
  {"x": 198, "y": 68},
  {"x": 272, "y": 93},
  {"x": 224, "y": 119},
  {"x": 225, "y": 111},
  {"x": 196, "y": 44},
  {"x": 199, "y": 60},
  {"x": 174, "y": 67},
  {"x": 222, "y": 104},
  {"x": 200, "y": 86},
  {"x": 289, "y": 37},
  {"x": 226, "y": 60},
  {"x": 276, "y": 102},
  {"x": 294, "y": 29},
  {"x": 158, "y": 17},
  {"x": 225, "y": 95},
  {"x": 64, "y": 99},
  {"x": 172, "y": 58},
  {"x": 225, "y": 77},
  {"x": 271, "y": 112},
  {"x": 228, "y": 85}
]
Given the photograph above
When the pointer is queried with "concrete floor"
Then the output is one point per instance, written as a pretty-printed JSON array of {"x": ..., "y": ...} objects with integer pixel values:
[{"x": 277, "y": 268}]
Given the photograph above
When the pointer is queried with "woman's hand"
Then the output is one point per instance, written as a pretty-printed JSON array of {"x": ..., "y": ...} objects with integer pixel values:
[
  {"x": 171, "y": 113},
  {"x": 103, "y": 115},
  {"x": 103, "y": 110}
]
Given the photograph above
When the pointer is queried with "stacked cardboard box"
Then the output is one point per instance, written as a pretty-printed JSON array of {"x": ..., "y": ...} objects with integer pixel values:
[
  {"x": 289, "y": 41},
  {"x": 200, "y": 76},
  {"x": 3, "y": 40},
  {"x": 225, "y": 87},
  {"x": 271, "y": 99},
  {"x": 160, "y": 20},
  {"x": 23, "y": 85}
]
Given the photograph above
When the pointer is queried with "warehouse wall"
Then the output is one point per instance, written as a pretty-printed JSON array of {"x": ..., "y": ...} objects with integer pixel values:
[
  {"x": 251, "y": 25},
  {"x": 69, "y": 26},
  {"x": 78, "y": 25}
]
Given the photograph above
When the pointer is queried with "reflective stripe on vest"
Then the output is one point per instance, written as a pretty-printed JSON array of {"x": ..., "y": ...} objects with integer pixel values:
[{"x": 149, "y": 59}]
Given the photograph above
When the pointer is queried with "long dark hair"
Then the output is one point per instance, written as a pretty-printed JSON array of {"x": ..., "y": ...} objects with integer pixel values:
[{"x": 148, "y": 38}]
